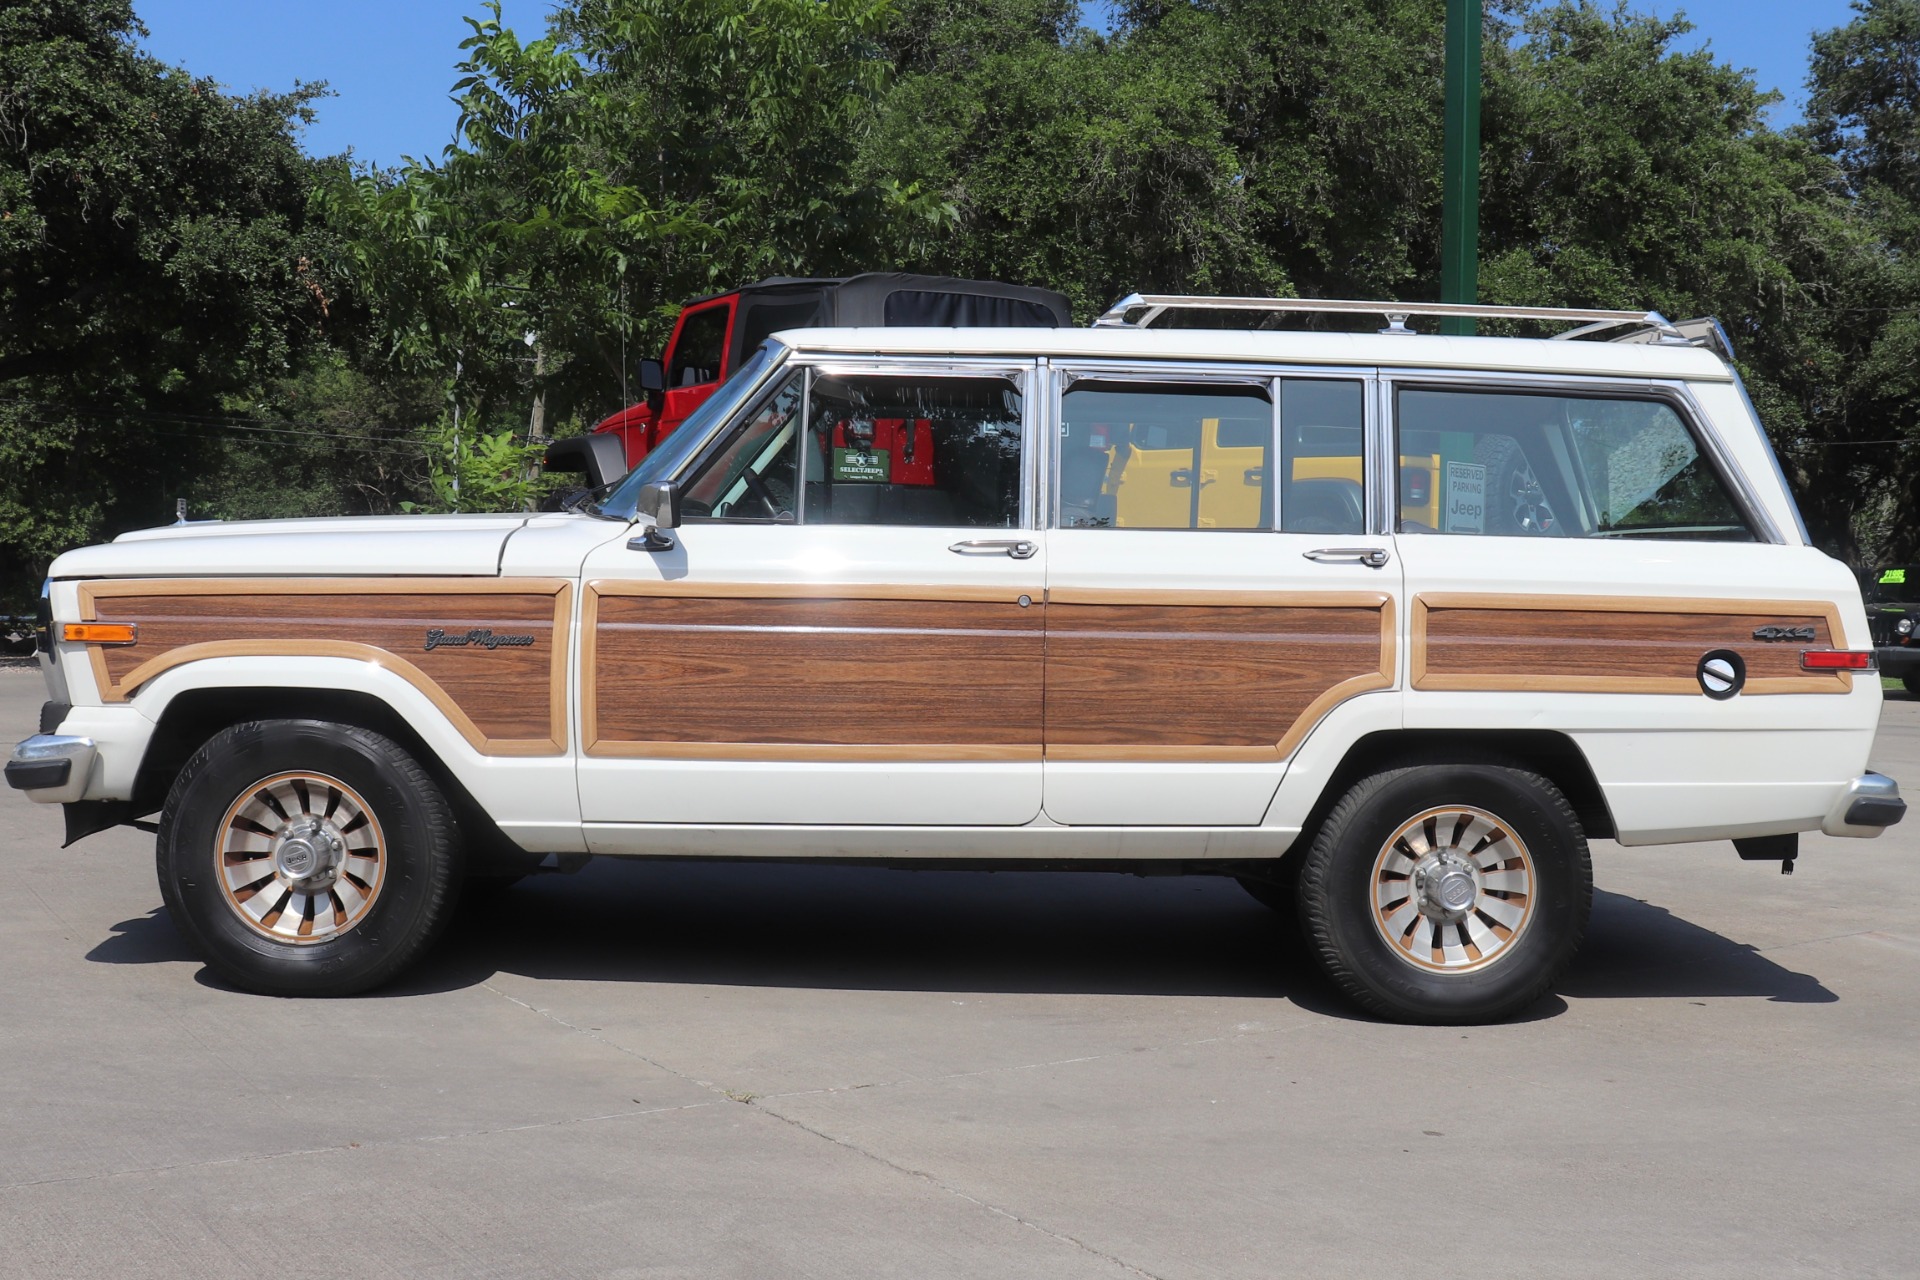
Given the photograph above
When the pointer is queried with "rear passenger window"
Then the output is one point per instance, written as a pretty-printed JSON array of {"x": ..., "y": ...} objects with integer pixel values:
[
  {"x": 1150, "y": 455},
  {"x": 1525, "y": 465},
  {"x": 1166, "y": 456},
  {"x": 931, "y": 451}
]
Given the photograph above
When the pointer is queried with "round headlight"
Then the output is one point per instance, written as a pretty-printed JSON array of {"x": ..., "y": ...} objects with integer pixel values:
[{"x": 1904, "y": 626}]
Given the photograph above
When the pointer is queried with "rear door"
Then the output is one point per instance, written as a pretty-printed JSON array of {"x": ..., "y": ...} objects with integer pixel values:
[{"x": 1213, "y": 592}]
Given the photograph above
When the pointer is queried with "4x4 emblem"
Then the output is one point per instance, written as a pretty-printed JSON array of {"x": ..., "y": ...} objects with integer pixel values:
[{"x": 1783, "y": 633}]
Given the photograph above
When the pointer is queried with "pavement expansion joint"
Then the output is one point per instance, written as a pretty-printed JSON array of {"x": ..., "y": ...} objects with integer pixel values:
[
  {"x": 933, "y": 1181},
  {"x": 758, "y": 1103},
  {"x": 1034, "y": 1066}
]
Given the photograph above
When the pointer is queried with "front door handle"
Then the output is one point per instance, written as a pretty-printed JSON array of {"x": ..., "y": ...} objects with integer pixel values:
[
  {"x": 1372, "y": 557},
  {"x": 1018, "y": 548}
]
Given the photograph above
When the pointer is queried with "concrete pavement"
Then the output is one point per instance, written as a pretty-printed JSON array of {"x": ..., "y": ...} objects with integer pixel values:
[{"x": 655, "y": 1070}]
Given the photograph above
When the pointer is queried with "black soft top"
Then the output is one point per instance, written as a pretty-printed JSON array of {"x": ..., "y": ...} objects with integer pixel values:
[{"x": 887, "y": 298}]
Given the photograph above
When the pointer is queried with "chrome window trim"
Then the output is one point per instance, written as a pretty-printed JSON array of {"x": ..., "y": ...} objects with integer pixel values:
[
  {"x": 697, "y": 457},
  {"x": 1267, "y": 375},
  {"x": 1381, "y": 459},
  {"x": 1675, "y": 393},
  {"x": 1773, "y": 456}
]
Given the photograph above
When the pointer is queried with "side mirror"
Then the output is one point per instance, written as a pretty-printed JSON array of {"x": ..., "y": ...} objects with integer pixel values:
[
  {"x": 661, "y": 500},
  {"x": 653, "y": 384},
  {"x": 599, "y": 455}
]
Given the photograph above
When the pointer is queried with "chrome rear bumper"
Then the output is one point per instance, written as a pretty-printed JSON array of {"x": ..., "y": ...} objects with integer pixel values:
[{"x": 1870, "y": 804}]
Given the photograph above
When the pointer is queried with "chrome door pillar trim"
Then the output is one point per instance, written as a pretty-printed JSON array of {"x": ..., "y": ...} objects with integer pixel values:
[{"x": 1381, "y": 460}]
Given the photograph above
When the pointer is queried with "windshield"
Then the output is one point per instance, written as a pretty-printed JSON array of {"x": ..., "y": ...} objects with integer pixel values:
[{"x": 677, "y": 448}]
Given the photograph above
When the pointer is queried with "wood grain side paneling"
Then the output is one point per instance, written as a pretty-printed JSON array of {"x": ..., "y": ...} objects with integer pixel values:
[
  {"x": 1605, "y": 644},
  {"x": 812, "y": 677},
  {"x": 1175, "y": 677},
  {"x": 505, "y": 688}
]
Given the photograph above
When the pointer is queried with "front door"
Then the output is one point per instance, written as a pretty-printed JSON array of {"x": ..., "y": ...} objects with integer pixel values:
[
  {"x": 848, "y": 629},
  {"x": 1198, "y": 630}
]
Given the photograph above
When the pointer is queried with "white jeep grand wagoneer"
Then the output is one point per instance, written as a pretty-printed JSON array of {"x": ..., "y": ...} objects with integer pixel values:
[{"x": 1385, "y": 625}]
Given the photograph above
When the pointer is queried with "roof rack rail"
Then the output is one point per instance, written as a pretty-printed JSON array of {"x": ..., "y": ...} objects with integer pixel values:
[{"x": 1642, "y": 326}]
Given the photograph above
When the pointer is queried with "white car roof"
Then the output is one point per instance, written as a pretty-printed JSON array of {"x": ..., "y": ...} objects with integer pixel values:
[{"x": 1396, "y": 351}]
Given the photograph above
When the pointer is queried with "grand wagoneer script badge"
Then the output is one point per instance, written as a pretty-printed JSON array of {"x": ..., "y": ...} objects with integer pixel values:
[{"x": 479, "y": 638}]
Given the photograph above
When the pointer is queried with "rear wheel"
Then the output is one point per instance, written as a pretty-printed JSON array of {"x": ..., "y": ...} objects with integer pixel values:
[
  {"x": 1447, "y": 893},
  {"x": 306, "y": 858},
  {"x": 1912, "y": 683}
]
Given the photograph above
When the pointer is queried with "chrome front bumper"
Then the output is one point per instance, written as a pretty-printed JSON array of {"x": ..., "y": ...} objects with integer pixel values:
[
  {"x": 52, "y": 768},
  {"x": 1870, "y": 804}
]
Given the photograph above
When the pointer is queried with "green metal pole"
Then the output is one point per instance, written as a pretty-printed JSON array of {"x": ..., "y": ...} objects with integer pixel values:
[{"x": 1460, "y": 185}]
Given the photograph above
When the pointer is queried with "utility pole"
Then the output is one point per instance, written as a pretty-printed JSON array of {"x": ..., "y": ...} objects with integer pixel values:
[{"x": 1460, "y": 183}]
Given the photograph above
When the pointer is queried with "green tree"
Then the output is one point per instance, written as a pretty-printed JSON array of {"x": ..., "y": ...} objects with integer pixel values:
[
  {"x": 642, "y": 152},
  {"x": 1864, "y": 111},
  {"x": 155, "y": 256}
]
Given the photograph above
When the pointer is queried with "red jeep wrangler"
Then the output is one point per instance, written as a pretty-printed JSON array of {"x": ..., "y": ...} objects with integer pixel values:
[{"x": 714, "y": 334}]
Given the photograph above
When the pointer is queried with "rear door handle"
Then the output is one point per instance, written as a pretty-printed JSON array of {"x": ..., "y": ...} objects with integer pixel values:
[
  {"x": 1018, "y": 548},
  {"x": 1372, "y": 557}
]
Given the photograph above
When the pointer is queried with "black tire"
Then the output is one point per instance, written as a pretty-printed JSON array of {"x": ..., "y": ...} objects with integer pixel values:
[
  {"x": 1338, "y": 886},
  {"x": 1912, "y": 684},
  {"x": 408, "y": 815}
]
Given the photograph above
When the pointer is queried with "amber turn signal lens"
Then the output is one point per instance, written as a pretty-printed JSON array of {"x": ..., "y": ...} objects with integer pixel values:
[
  {"x": 1837, "y": 660},
  {"x": 100, "y": 633}
]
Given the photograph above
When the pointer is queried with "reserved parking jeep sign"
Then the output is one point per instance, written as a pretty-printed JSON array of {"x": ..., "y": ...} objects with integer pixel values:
[{"x": 1466, "y": 505}]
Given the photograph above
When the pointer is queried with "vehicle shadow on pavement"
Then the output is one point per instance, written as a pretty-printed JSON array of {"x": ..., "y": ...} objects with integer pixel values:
[
  {"x": 1636, "y": 950},
  {"x": 147, "y": 939},
  {"x": 862, "y": 928},
  {"x": 1099, "y": 934},
  {"x": 857, "y": 928}
]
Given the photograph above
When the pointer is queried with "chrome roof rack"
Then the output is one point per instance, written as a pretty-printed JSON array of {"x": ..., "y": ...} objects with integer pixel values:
[{"x": 1640, "y": 326}]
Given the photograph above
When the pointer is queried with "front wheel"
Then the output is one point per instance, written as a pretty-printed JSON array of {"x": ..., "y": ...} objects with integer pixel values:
[
  {"x": 304, "y": 858},
  {"x": 1447, "y": 893}
]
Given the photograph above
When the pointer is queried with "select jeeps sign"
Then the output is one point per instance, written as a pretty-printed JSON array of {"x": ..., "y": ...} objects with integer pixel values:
[{"x": 1465, "y": 506}]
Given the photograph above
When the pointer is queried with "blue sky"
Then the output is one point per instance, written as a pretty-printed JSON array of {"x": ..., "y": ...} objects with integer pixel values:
[{"x": 390, "y": 62}]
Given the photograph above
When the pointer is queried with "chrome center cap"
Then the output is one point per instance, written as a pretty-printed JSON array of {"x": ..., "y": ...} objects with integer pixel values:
[
  {"x": 308, "y": 854},
  {"x": 1446, "y": 887}
]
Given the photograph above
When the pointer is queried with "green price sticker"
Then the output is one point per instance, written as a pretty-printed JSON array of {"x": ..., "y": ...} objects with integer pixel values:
[
  {"x": 1896, "y": 577},
  {"x": 862, "y": 466}
]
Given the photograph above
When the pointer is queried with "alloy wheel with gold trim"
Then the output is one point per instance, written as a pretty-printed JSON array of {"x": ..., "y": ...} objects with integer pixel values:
[
  {"x": 1453, "y": 889},
  {"x": 301, "y": 857}
]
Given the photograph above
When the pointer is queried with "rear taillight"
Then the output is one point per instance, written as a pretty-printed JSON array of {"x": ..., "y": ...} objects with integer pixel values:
[{"x": 1837, "y": 659}]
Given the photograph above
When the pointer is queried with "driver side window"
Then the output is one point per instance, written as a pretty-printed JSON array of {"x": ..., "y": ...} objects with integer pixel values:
[{"x": 752, "y": 475}]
